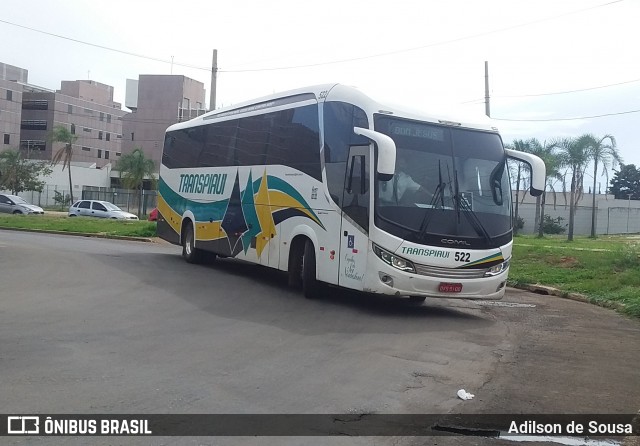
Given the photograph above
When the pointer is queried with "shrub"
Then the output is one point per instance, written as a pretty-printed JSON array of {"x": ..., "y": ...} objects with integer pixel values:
[
  {"x": 62, "y": 200},
  {"x": 553, "y": 225}
]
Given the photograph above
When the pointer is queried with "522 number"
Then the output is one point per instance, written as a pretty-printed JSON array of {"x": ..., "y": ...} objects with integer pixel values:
[{"x": 462, "y": 257}]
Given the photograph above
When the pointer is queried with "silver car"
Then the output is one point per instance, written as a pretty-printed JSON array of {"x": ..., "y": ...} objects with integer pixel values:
[
  {"x": 12, "y": 204},
  {"x": 101, "y": 209}
]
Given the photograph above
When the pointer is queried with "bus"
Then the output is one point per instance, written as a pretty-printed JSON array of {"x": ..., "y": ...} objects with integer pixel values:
[{"x": 336, "y": 189}]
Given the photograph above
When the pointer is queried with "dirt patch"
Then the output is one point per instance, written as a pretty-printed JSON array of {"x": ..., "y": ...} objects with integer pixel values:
[{"x": 565, "y": 262}]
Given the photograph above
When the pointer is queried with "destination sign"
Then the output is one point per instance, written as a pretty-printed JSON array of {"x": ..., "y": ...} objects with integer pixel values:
[{"x": 417, "y": 131}]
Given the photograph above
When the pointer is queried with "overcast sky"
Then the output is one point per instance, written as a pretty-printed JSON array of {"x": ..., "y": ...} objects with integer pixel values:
[{"x": 426, "y": 53}]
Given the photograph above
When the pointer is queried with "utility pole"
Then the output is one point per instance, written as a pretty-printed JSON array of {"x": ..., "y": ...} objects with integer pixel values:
[
  {"x": 214, "y": 79},
  {"x": 487, "y": 108}
]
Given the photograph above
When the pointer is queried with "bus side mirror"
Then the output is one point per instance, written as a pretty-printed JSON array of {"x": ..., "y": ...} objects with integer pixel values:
[
  {"x": 538, "y": 170},
  {"x": 386, "y": 152}
]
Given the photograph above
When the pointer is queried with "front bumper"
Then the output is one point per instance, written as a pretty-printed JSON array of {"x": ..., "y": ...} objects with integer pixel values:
[{"x": 382, "y": 278}]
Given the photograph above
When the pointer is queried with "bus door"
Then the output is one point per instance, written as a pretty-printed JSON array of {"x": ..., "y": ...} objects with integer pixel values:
[{"x": 355, "y": 218}]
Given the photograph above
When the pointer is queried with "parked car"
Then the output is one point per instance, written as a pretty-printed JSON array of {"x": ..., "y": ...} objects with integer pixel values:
[
  {"x": 12, "y": 204},
  {"x": 101, "y": 209},
  {"x": 153, "y": 215}
]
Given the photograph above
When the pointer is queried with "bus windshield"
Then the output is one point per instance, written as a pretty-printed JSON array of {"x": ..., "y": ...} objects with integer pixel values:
[{"x": 449, "y": 183}]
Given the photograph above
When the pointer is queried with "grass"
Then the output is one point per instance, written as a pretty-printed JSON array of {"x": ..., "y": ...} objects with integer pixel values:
[
  {"x": 86, "y": 225},
  {"x": 606, "y": 270}
]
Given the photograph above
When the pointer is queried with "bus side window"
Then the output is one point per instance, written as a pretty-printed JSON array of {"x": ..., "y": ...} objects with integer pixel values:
[
  {"x": 357, "y": 179},
  {"x": 356, "y": 186},
  {"x": 339, "y": 120}
]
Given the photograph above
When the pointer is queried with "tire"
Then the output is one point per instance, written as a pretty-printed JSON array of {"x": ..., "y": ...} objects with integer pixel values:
[
  {"x": 72, "y": 215},
  {"x": 295, "y": 264},
  {"x": 17, "y": 213},
  {"x": 310, "y": 284},
  {"x": 417, "y": 299},
  {"x": 189, "y": 252}
]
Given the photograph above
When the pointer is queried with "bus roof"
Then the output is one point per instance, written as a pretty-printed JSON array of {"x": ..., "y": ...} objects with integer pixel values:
[{"x": 338, "y": 92}]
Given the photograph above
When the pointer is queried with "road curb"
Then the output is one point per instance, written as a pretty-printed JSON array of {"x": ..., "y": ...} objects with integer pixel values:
[
  {"x": 84, "y": 234},
  {"x": 547, "y": 290}
]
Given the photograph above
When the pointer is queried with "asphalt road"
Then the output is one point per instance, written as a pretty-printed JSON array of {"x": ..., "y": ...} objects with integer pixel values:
[{"x": 93, "y": 326}]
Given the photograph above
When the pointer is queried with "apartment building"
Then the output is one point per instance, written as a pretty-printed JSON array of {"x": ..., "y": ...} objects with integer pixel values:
[
  {"x": 12, "y": 79},
  {"x": 86, "y": 108},
  {"x": 156, "y": 102}
]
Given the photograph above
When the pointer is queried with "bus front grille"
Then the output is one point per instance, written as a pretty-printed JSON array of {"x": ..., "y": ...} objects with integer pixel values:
[{"x": 450, "y": 273}]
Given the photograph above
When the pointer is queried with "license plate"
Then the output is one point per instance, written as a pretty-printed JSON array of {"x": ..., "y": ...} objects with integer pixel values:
[{"x": 450, "y": 287}]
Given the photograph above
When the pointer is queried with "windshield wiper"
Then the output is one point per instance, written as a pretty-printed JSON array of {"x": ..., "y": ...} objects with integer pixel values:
[
  {"x": 472, "y": 217},
  {"x": 438, "y": 195},
  {"x": 461, "y": 203}
]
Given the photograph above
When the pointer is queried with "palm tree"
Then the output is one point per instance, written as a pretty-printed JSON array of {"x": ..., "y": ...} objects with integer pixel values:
[
  {"x": 551, "y": 160},
  {"x": 134, "y": 168},
  {"x": 552, "y": 164},
  {"x": 523, "y": 146},
  {"x": 600, "y": 152},
  {"x": 62, "y": 134},
  {"x": 574, "y": 154}
]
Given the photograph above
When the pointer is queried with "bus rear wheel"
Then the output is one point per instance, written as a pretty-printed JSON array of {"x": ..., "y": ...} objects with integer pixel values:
[{"x": 190, "y": 253}]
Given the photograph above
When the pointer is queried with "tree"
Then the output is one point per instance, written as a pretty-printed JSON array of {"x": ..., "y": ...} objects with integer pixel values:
[
  {"x": 626, "y": 182},
  {"x": 19, "y": 175},
  {"x": 134, "y": 167},
  {"x": 64, "y": 154},
  {"x": 601, "y": 152},
  {"x": 552, "y": 163},
  {"x": 522, "y": 146},
  {"x": 574, "y": 154}
]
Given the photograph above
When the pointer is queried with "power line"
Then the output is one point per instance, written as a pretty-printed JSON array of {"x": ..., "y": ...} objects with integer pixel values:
[
  {"x": 429, "y": 45},
  {"x": 389, "y": 53},
  {"x": 481, "y": 100},
  {"x": 564, "y": 92},
  {"x": 95, "y": 45},
  {"x": 568, "y": 119}
]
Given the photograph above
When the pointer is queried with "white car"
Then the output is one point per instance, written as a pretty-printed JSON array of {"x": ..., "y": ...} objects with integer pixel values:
[
  {"x": 12, "y": 204},
  {"x": 101, "y": 209}
]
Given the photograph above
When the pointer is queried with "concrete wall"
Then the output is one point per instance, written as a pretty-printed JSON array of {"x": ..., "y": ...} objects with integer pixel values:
[
  {"x": 612, "y": 216},
  {"x": 161, "y": 102},
  {"x": 82, "y": 175},
  {"x": 10, "y": 114}
]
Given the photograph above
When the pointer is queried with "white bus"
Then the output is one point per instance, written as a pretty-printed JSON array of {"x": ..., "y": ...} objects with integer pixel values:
[{"x": 338, "y": 189}]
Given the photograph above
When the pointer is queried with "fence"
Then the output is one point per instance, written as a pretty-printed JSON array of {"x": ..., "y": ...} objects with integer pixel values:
[
  {"x": 54, "y": 198},
  {"x": 610, "y": 220},
  {"x": 125, "y": 199},
  {"x": 51, "y": 197}
]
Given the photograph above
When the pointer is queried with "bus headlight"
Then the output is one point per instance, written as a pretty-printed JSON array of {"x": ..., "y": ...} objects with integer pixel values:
[
  {"x": 497, "y": 269},
  {"x": 394, "y": 260}
]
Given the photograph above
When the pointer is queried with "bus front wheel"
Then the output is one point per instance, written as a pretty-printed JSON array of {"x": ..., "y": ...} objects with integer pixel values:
[{"x": 310, "y": 285}]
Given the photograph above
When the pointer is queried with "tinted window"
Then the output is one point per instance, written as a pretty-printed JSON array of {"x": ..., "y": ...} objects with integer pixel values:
[
  {"x": 182, "y": 147},
  {"x": 5, "y": 200},
  {"x": 220, "y": 143},
  {"x": 84, "y": 204},
  {"x": 98, "y": 206},
  {"x": 339, "y": 120},
  {"x": 287, "y": 137},
  {"x": 251, "y": 140}
]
